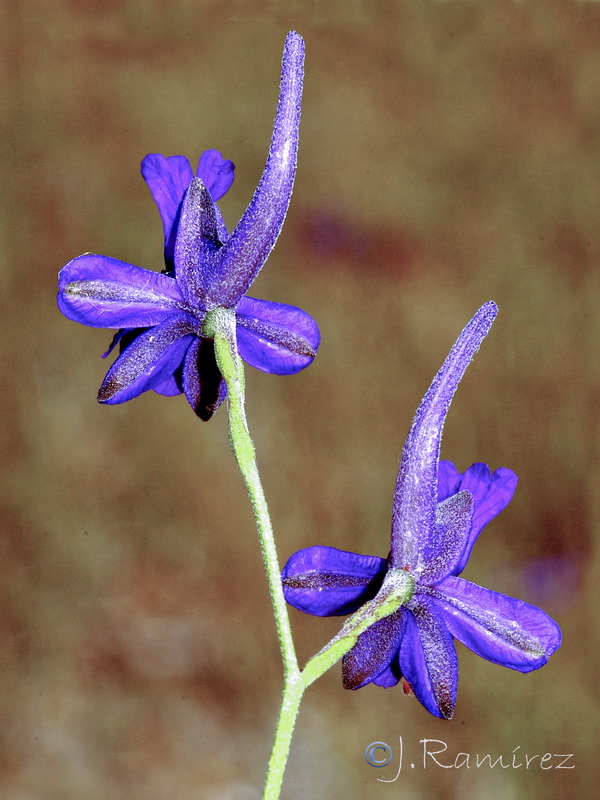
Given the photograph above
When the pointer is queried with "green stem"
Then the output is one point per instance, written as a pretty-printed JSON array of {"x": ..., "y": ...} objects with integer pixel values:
[
  {"x": 220, "y": 323},
  {"x": 293, "y": 692},
  {"x": 397, "y": 587}
]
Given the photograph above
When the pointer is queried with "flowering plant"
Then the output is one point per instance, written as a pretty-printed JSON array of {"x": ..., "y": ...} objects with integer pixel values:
[{"x": 187, "y": 330}]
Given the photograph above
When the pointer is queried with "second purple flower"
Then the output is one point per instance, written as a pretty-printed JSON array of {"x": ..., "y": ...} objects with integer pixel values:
[{"x": 437, "y": 515}]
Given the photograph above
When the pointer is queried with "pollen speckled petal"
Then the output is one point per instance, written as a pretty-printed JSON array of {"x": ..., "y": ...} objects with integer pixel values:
[
  {"x": 275, "y": 337},
  {"x": 428, "y": 658},
  {"x": 103, "y": 292},
  {"x": 203, "y": 384},
  {"x": 374, "y": 651},
  {"x": 325, "y": 581},
  {"x": 148, "y": 361},
  {"x": 501, "y": 629}
]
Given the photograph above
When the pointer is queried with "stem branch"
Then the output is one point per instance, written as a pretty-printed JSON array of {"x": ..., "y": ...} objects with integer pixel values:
[{"x": 398, "y": 586}]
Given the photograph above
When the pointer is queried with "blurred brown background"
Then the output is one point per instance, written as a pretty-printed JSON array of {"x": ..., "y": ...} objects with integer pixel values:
[{"x": 450, "y": 154}]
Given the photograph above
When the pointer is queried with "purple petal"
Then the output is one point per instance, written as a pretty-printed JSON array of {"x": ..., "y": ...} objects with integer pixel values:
[
  {"x": 390, "y": 676},
  {"x": 216, "y": 173},
  {"x": 203, "y": 384},
  {"x": 428, "y": 658},
  {"x": 374, "y": 651},
  {"x": 492, "y": 498},
  {"x": 446, "y": 545},
  {"x": 328, "y": 582},
  {"x": 448, "y": 478},
  {"x": 257, "y": 231},
  {"x": 415, "y": 497},
  {"x": 491, "y": 494},
  {"x": 170, "y": 387},
  {"x": 275, "y": 337},
  {"x": 167, "y": 179},
  {"x": 197, "y": 244},
  {"x": 501, "y": 629},
  {"x": 106, "y": 293},
  {"x": 149, "y": 361}
]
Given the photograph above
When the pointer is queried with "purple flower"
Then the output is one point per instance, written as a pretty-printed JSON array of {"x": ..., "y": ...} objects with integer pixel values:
[
  {"x": 160, "y": 315},
  {"x": 437, "y": 515}
]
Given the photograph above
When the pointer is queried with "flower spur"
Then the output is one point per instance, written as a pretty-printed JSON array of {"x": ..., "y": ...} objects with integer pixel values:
[
  {"x": 436, "y": 517},
  {"x": 163, "y": 344}
]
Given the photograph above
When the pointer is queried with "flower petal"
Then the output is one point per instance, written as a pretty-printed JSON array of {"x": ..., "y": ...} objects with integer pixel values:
[
  {"x": 150, "y": 359},
  {"x": 390, "y": 676},
  {"x": 328, "y": 582},
  {"x": 203, "y": 384},
  {"x": 428, "y": 658},
  {"x": 492, "y": 498},
  {"x": 171, "y": 386},
  {"x": 374, "y": 651},
  {"x": 257, "y": 231},
  {"x": 415, "y": 497},
  {"x": 106, "y": 293},
  {"x": 275, "y": 337},
  {"x": 448, "y": 478},
  {"x": 167, "y": 179},
  {"x": 197, "y": 244},
  {"x": 216, "y": 173},
  {"x": 501, "y": 629},
  {"x": 446, "y": 545},
  {"x": 491, "y": 494}
]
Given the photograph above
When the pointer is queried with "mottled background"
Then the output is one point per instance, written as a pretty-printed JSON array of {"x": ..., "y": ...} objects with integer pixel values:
[{"x": 450, "y": 153}]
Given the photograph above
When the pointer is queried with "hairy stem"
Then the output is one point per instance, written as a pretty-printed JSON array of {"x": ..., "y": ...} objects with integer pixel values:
[
  {"x": 220, "y": 323},
  {"x": 398, "y": 587}
]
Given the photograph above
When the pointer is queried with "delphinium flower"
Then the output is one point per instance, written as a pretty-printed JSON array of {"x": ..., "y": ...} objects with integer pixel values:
[
  {"x": 160, "y": 315},
  {"x": 437, "y": 515}
]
